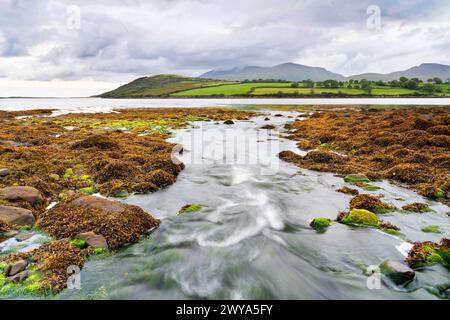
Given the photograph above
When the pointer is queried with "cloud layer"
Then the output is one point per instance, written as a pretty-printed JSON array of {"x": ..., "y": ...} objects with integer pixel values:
[{"x": 119, "y": 40}]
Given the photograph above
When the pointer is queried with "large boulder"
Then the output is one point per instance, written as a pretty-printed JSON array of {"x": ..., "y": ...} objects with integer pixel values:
[
  {"x": 22, "y": 193},
  {"x": 398, "y": 272},
  {"x": 93, "y": 239},
  {"x": 18, "y": 216},
  {"x": 16, "y": 268}
]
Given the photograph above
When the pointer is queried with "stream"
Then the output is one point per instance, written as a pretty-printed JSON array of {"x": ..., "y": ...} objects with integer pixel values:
[{"x": 252, "y": 239}]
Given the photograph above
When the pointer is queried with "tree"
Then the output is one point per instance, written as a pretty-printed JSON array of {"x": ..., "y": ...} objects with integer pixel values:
[
  {"x": 437, "y": 80},
  {"x": 403, "y": 79},
  {"x": 308, "y": 83},
  {"x": 411, "y": 84},
  {"x": 429, "y": 87},
  {"x": 294, "y": 85}
]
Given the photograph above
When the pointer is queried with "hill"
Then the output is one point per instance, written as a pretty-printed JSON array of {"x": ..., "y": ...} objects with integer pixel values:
[
  {"x": 285, "y": 71},
  {"x": 424, "y": 72},
  {"x": 158, "y": 86}
]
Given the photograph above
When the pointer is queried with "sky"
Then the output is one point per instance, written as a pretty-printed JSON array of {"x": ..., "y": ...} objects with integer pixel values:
[{"x": 84, "y": 47}]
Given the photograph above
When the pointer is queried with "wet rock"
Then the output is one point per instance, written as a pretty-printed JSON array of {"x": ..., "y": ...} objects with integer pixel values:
[
  {"x": 228, "y": 122},
  {"x": 320, "y": 224},
  {"x": 348, "y": 190},
  {"x": 93, "y": 239},
  {"x": 18, "y": 278},
  {"x": 24, "y": 236},
  {"x": 9, "y": 143},
  {"x": 18, "y": 216},
  {"x": 268, "y": 127},
  {"x": 92, "y": 202},
  {"x": 4, "y": 172},
  {"x": 278, "y": 115},
  {"x": 360, "y": 217},
  {"x": 17, "y": 193},
  {"x": 398, "y": 272},
  {"x": 266, "y": 119},
  {"x": 15, "y": 268}
]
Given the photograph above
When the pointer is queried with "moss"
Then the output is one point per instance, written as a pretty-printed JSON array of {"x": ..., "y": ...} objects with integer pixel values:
[
  {"x": 99, "y": 251},
  {"x": 361, "y": 217},
  {"x": 79, "y": 243},
  {"x": 88, "y": 190},
  {"x": 190, "y": 208},
  {"x": 431, "y": 229},
  {"x": 439, "y": 194},
  {"x": 381, "y": 209},
  {"x": 69, "y": 173},
  {"x": 392, "y": 232},
  {"x": 369, "y": 187},
  {"x": 356, "y": 178},
  {"x": 31, "y": 286},
  {"x": 320, "y": 224},
  {"x": 122, "y": 194}
]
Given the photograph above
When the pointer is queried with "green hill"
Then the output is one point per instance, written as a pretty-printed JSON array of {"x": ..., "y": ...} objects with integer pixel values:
[{"x": 159, "y": 86}]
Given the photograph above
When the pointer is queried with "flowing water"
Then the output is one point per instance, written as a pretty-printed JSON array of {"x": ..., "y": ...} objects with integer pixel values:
[{"x": 252, "y": 239}]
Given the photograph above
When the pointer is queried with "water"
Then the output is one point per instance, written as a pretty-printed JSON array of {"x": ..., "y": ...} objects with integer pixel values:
[
  {"x": 252, "y": 240},
  {"x": 106, "y": 105}
]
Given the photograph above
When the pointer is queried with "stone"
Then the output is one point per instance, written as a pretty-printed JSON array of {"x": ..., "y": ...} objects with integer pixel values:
[
  {"x": 228, "y": 122},
  {"x": 17, "y": 193},
  {"x": 93, "y": 239},
  {"x": 17, "y": 216},
  {"x": 92, "y": 202},
  {"x": 20, "y": 277},
  {"x": 4, "y": 172},
  {"x": 24, "y": 236},
  {"x": 398, "y": 272},
  {"x": 15, "y": 268}
]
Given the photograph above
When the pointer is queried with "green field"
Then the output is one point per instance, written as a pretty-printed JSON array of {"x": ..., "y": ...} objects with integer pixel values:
[
  {"x": 227, "y": 90},
  {"x": 305, "y": 91}
]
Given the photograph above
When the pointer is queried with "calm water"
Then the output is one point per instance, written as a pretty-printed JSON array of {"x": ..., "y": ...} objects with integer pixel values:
[
  {"x": 105, "y": 105},
  {"x": 252, "y": 240}
]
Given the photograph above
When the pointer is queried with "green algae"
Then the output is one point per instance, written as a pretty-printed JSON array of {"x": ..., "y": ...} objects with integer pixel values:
[
  {"x": 88, "y": 190},
  {"x": 356, "y": 178},
  {"x": 190, "y": 208},
  {"x": 361, "y": 217},
  {"x": 320, "y": 224},
  {"x": 79, "y": 243},
  {"x": 431, "y": 229}
]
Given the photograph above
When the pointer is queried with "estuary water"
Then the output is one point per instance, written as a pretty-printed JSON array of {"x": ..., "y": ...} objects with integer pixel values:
[{"x": 252, "y": 239}]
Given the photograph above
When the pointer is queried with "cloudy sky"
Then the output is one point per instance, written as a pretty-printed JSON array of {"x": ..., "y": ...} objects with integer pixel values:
[{"x": 53, "y": 48}]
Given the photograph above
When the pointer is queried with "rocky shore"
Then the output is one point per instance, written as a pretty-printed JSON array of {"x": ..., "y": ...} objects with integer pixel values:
[{"x": 55, "y": 173}]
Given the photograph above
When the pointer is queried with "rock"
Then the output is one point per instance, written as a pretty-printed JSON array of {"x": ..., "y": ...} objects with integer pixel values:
[
  {"x": 398, "y": 272},
  {"x": 16, "y": 193},
  {"x": 93, "y": 239},
  {"x": 24, "y": 236},
  {"x": 15, "y": 268},
  {"x": 361, "y": 217},
  {"x": 268, "y": 127},
  {"x": 4, "y": 172},
  {"x": 266, "y": 119},
  {"x": 228, "y": 122},
  {"x": 9, "y": 143},
  {"x": 20, "y": 277},
  {"x": 92, "y": 202},
  {"x": 320, "y": 224},
  {"x": 278, "y": 115},
  {"x": 18, "y": 216}
]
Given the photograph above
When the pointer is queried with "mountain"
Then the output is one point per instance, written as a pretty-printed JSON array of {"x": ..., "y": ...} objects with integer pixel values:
[
  {"x": 285, "y": 71},
  {"x": 424, "y": 72},
  {"x": 157, "y": 86}
]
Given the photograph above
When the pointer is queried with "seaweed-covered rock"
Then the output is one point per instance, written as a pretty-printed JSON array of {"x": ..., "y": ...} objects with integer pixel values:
[
  {"x": 429, "y": 253},
  {"x": 348, "y": 190},
  {"x": 318, "y": 156},
  {"x": 192, "y": 207},
  {"x": 21, "y": 193},
  {"x": 410, "y": 173},
  {"x": 119, "y": 223},
  {"x": 360, "y": 217},
  {"x": 320, "y": 224},
  {"x": 96, "y": 141},
  {"x": 416, "y": 207},
  {"x": 15, "y": 215},
  {"x": 370, "y": 203},
  {"x": 398, "y": 272}
]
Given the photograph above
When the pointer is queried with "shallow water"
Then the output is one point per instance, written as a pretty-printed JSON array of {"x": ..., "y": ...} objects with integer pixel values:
[
  {"x": 65, "y": 105},
  {"x": 252, "y": 240}
]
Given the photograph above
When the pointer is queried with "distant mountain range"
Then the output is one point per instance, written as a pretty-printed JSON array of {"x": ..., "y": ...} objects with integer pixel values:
[{"x": 298, "y": 72}]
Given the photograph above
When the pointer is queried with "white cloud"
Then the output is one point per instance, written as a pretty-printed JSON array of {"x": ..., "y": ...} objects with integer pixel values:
[{"x": 120, "y": 40}]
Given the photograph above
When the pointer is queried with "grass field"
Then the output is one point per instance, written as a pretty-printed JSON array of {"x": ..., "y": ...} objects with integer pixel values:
[
  {"x": 227, "y": 90},
  {"x": 269, "y": 91}
]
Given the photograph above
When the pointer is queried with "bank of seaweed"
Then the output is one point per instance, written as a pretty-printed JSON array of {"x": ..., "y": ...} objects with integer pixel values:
[
  {"x": 410, "y": 146},
  {"x": 66, "y": 158}
]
